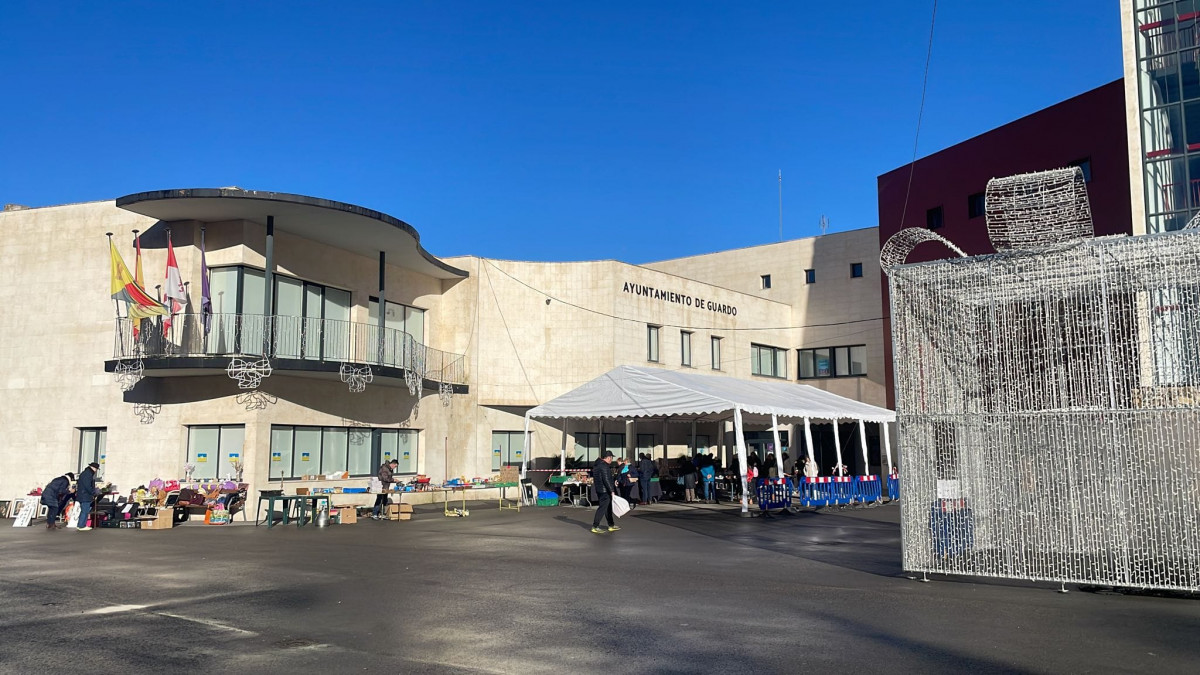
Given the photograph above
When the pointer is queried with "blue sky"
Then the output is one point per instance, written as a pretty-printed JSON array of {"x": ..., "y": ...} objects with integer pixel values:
[{"x": 530, "y": 130}]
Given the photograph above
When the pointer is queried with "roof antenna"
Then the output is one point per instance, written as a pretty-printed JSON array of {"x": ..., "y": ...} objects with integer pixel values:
[
  {"x": 824, "y": 224},
  {"x": 781, "y": 205}
]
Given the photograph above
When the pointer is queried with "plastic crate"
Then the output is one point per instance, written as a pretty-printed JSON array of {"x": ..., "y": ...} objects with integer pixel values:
[{"x": 548, "y": 502}]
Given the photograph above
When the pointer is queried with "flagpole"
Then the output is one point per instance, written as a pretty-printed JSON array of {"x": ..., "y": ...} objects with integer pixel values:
[{"x": 116, "y": 303}]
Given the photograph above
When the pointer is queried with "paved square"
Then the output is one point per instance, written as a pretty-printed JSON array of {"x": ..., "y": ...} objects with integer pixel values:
[{"x": 677, "y": 590}]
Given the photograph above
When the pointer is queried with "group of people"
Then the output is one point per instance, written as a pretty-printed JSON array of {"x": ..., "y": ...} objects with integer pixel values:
[{"x": 60, "y": 491}]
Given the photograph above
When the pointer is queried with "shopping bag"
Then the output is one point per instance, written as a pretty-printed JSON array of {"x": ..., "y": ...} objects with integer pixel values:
[
  {"x": 73, "y": 514},
  {"x": 620, "y": 506},
  {"x": 375, "y": 486}
]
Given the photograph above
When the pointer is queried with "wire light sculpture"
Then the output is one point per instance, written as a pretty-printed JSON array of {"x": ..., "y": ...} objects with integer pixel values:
[
  {"x": 446, "y": 393},
  {"x": 146, "y": 412},
  {"x": 1034, "y": 210},
  {"x": 357, "y": 377},
  {"x": 256, "y": 399},
  {"x": 414, "y": 374},
  {"x": 248, "y": 373},
  {"x": 128, "y": 374},
  {"x": 1048, "y": 405}
]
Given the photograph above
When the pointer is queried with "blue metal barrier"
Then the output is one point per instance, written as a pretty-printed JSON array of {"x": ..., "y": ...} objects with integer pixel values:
[
  {"x": 868, "y": 488},
  {"x": 893, "y": 482},
  {"x": 827, "y": 491},
  {"x": 775, "y": 493}
]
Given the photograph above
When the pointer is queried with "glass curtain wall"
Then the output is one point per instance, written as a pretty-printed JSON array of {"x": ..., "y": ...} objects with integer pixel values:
[{"x": 1167, "y": 45}]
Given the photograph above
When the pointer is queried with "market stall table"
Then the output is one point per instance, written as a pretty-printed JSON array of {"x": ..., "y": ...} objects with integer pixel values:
[{"x": 287, "y": 502}]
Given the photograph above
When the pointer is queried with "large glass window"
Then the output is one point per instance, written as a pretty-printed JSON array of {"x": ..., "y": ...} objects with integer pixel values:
[
  {"x": 212, "y": 449},
  {"x": 685, "y": 348},
  {"x": 769, "y": 361},
  {"x": 298, "y": 451},
  {"x": 833, "y": 362},
  {"x": 645, "y": 444},
  {"x": 508, "y": 447},
  {"x": 587, "y": 447},
  {"x": 92, "y": 448},
  {"x": 652, "y": 343}
]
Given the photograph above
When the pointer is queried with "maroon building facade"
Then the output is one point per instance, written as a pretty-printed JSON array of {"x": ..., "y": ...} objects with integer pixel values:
[{"x": 1088, "y": 130}]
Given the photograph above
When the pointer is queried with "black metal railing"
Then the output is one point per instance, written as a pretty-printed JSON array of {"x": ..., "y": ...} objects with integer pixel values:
[{"x": 286, "y": 337}]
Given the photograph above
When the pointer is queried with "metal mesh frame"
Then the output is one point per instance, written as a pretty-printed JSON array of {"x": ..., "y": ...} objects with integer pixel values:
[{"x": 1049, "y": 412}]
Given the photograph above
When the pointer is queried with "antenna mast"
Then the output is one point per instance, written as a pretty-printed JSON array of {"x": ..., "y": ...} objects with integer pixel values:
[
  {"x": 781, "y": 205},
  {"x": 824, "y": 224}
]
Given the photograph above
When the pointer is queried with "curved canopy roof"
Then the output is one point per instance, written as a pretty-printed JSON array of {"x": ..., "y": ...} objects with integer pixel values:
[
  {"x": 629, "y": 392},
  {"x": 346, "y": 226}
]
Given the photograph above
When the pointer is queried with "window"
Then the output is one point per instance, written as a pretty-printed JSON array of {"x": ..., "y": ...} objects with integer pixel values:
[
  {"x": 508, "y": 448},
  {"x": 810, "y": 276},
  {"x": 91, "y": 447},
  {"x": 652, "y": 343},
  {"x": 685, "y": 347},
  {"x": 856, "y": 270},
  {"x": 765, "y": 281},
  {"x": 933, "y": 218},
  {"x": 298, "y": 451},
  {"x": 1084, "y": 165},
  {"x": 833, "y": 362},
  {"x": 212, "y": 449},
  {"x": 976, "y": 205},
  {"x": 645, "y": 444},
  {"x": 769, "y": 361},
  {"x": 716, "y": 352},
  {"x": 399, "y": 317},
  {"x": 587, "y": 447}
]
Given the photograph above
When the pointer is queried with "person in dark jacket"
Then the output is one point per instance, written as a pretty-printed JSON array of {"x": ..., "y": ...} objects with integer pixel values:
[
  {"x": 646, "y": 472},
  {"x": 55, "y": 498},
  {"x": 602, "y": 480},
  {"x": 385, "y": 476},
  {"x": 85, "y": 495}
]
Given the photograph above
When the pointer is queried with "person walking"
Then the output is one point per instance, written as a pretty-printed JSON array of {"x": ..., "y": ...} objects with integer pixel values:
[
  {"x": 55, "y": 497},
  {"x": 602, "y": 480},
  {"x": 687, "y": 471},
  {"x": 85, "y": 495},
  {"x": 385, "y": 477}
]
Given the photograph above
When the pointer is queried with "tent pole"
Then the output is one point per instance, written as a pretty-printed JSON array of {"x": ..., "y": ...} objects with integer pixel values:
[
  {"x": 887, "y": 445},
  {"x": 525, "y": 450},
  {"x": 778, "y": 447},
  {"x": 562, "y": 453},
  {"x": 666, "y": 452},
  {"x": 808, "y": 442},
  {"x": 837, "y": 447},
  {"x": 631, "y": 440},
  {"x": 741, "y": 450},
  {"x": 862, "y": 437}
]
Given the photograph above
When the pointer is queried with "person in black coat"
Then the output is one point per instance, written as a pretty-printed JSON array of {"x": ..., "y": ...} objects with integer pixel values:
[
  {"x": 85, "y": 494},
  {"x": 646, "y": 472},
  {"x": 55, "y": 498},
  {"x": 602, "y": 480}
]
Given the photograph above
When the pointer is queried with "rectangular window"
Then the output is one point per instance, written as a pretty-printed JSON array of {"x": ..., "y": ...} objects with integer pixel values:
[
  {"x": 91, "y": 448},
  {"x": 587, "y": 447},
  {"x": 765, "y": 281},
  {"x": 645, "y": 444},
  {"x": 768, "y": 361},
  {"x": 298, "y": 451},
  {"x": 652, "y": 343},
  {"x": 507, "y": 448},
  {"x": 615, "y": 443},
  {"x": 716, "y": 353},
  {"x": 810, "y": 276},
  {"x": 933, "y": 218},
  {"x": 685, "y": 348},
  {"x": 976, "y": 205},
  {"x": 212, "y": 448},
  {"x": 855, "y": 270},
  {"x": 848, "y": 361}
]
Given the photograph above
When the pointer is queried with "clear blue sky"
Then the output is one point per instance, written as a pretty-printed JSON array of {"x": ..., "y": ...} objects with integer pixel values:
[{"x": 529, "y": 130}]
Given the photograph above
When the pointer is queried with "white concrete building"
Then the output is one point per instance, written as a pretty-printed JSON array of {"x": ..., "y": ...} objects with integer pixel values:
[{"x": 480, "y": 341}]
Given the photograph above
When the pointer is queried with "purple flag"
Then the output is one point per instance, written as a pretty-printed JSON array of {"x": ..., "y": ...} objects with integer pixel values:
[{"x": 205, "y": 297}]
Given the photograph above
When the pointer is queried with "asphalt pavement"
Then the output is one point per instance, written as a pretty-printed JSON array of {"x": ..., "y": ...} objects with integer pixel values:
[{"x": 677, "y": 590}]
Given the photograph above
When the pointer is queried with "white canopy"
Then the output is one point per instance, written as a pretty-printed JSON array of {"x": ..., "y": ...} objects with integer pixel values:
[{"x": 630, "y": 392}]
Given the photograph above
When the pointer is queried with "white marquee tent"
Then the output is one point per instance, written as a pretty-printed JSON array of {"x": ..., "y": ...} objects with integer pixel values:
[{"x": 630, "y": 392}]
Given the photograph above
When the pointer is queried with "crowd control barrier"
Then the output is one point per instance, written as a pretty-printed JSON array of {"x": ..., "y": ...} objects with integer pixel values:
[
  {"x": 820, "y": 491},
  {"x": 893, "y": 487},
  {"x": 775, "y": 493}
]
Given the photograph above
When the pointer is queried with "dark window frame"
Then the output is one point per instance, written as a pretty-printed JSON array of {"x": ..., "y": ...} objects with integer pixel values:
[
  {"x": 755, "y": 357},
  {"x": 810, "y": 276},
  {"x": 856, "y": 270},
  {"x": 810, "y": 353},
  {"x": 935, "y": 218},
  {"x": 976, "y": 205}
]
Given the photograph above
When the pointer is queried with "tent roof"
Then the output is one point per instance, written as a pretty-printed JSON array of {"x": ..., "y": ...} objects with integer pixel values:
[{"x": 629, "y": 392}]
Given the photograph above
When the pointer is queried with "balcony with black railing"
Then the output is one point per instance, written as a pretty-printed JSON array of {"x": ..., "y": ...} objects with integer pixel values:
[{"x": 291, "y": 343}]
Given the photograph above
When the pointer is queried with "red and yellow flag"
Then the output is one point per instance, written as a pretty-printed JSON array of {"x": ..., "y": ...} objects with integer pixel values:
[{"x": 124, "y": 287}]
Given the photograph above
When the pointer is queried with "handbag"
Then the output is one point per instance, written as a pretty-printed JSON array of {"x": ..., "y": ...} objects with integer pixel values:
[{"x": 620, "y": 505}]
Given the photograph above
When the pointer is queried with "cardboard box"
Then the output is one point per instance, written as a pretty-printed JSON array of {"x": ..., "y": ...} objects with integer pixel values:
[
  {"x": 301, "y": 491},
  {"x": 405, "y": 508},
  {"x": 348, "y": 514},
  {"x": 403, "y": 516},
  {"x": 164, "y": 520}
]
